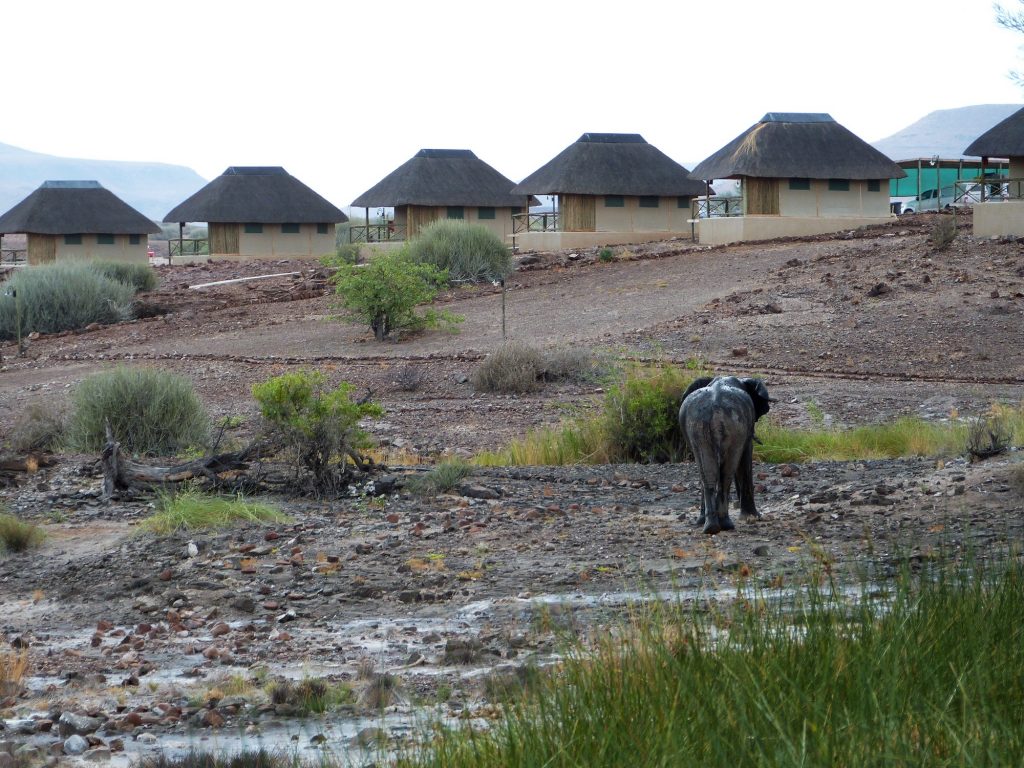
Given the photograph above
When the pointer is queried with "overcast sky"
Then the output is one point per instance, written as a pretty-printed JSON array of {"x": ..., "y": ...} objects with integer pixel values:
[{"x": 340, "y": 94}]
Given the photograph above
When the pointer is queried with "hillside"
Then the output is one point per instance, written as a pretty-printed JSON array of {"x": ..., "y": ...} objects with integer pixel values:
[
  {"x": 152, "y": 188},
  {"x": 944, "y": 132}
]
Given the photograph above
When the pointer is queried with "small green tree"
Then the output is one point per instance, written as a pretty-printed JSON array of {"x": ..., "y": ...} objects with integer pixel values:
[
  {"x": 385, "y": 293},
  {"x": 315, "y": 426}
]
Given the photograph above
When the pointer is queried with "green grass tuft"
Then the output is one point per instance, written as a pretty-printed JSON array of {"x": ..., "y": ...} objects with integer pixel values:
[
  {"x": 442, "y": 478},
  {"x": 16, "y": 535},
  {"x": 467, "y": 252},
  {"x": 140, "y": 277},
  {"x": 149, "y": 411},
  {"x": 191, "y": 510}
]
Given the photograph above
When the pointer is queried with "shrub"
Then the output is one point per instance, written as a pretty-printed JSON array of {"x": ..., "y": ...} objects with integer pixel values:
[
  {"x": 194, "y": 758},
  {"x": 606, "y": 255},
  {"x": 410, "y": 377},
  {"x": 61, "y": 297},
  {"x": 467, "y": 252},
  {"x": 385, "y": 292},
  {"x": 514, "y": 367},
  {"x": 641, "y": 416},
  {"x": 191, "y": 510},
  {"x": 141, "y": 277},
  {"x": 943, "y": 233},
  {"x": 315, "y": 426},
  {"x": 576, "y": 364},
  {"x": 311, "y": 695},
  {"x": 18, "y": 536},
  {"x": 443, "y": 478},
  {"x": 40, "y": 427},
  {"x": 1017, "y": 479},
  {"x": 988, "y": 436},
  {"x": 149, "y": 411},
  {"x": 347, "y": 253},
  {"x": 13, "y": 669}
]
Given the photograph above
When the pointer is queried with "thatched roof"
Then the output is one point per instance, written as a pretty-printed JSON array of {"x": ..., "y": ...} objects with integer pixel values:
[
  {"x": 611, "y": 164},
  {"x": 74, "y": 208},
  {"x": 1004, "y": 139},
  {"x": 257, "y": 195},
  {"x": 798, "y": 145},
  {"x": 442, "y": 177}
]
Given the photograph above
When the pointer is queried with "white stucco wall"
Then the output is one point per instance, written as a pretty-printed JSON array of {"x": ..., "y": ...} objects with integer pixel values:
[
  {"x": 721, "y": 231},
  {"x": 819, "y": 200},
  {"x": 553, "y": 241},
  {"x": 121, "y": 250},
  {"x": 667, "y": 217},
  {"x": 1000, "y": 219},
  {"x": 274, "y": 244}
]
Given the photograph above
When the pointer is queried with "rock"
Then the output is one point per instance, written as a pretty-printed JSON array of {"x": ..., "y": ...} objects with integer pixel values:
[
  {"x": 97, "y": 755},
  {"x": 762, "y": 550},
  {"x": 478, "y": 491},
  {"x": 70, "y": 723},
  {"x": 208, "y": 718},
  {"x": 6, "y": 760},
  {"x": 788, "y": 470},
  {"x": 739, "y": 351},
  {"x": 75, "y": 745},
  {"x": 527, "y": 259},
  {"x": 244, "y": 604},
  {"x": 287, "y": 616},
  {"x": 880, "y": 289},
  {"x": 220, "y": 629}
]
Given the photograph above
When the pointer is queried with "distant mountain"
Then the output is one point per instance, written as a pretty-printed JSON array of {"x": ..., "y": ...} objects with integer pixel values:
[
  {"x": 945, "y": 132},
  {"x": 152, "y": 188}
]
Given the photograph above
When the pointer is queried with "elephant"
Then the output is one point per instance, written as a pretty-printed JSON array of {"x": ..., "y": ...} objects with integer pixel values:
[{"x": 717, "y": 418}]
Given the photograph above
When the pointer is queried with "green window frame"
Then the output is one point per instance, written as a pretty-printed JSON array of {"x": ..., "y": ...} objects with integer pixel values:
[
  {"x": 838, "y": 185},
  {"x": 252, "y": 229},
  {"x": 456, "y": 212},
  {"x": 72, "y": 239},
  {"x": 682, "y": 202},
  {"x": 874, "y": 185},
  {"x": 800, "y": 185},
  {"x": 104, "y": 239},
  {"x": 134, "y": 239},
  {"x": 486, "y": 212},
  {"x": 290, "y": 229},
  {"x": 517, "y": 209},
  {"x": 614, "y": 201},
  {"x": 649, "y": 201},
  {"x": 321, "y": 229}
]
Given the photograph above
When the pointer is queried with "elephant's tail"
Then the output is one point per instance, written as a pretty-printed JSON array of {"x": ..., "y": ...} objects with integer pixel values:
[{"x": 723, "y": 482}]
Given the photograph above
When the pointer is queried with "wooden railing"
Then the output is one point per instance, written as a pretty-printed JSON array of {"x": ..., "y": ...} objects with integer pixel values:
[
  {"x": 715, "y": 207},
  {"x": 376, "y": 233},
  {"x": 13, "y": 255},
  {"x": 535, "y": 222},
  {"x": 187, "y": 247}
]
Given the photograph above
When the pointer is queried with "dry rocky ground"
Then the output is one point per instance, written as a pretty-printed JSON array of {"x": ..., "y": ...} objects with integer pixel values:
[{"x": 127, "y": 631}]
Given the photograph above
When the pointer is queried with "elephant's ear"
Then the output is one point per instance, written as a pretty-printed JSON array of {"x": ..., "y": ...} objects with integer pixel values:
[
  {"x": 759, "y": 394},
  {"x": 700, "y": 383}
]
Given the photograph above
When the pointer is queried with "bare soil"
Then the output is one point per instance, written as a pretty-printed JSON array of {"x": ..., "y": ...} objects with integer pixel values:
[{"x": 851, "y": 329}]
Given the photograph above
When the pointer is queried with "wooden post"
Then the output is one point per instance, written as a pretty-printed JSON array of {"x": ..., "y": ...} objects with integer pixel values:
[{"x": 503, "y": 336}]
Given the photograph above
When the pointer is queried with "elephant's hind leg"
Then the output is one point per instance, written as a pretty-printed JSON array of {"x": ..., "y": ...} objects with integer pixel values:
[{"x": 745, "y": 485}]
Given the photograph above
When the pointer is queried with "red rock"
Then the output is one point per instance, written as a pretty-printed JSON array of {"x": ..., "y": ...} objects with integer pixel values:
[
  {"x": 212, "y": 719},
  {"x": 271, "y": 536},
  {"x": 271, "y": 605},
  {"x": 212, "y": 652},
  {"x": 104, "y": 626},
  {"x": 220, "y": 629},
  {"x": 393, "y": 518},
  {"x": 166, "y": 574}
]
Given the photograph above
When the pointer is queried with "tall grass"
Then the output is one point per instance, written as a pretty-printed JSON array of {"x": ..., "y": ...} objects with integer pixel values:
[
  {"x": 16, "y": 535},
  {"x": 191, "y": 510},
  {"x": 149, "y": 411},
  {"x": 935, "y": 676},
  {"x": 61, "y": 297},
  {"x": 141, "y": 277},
  {"x": 469, "y": 252}
]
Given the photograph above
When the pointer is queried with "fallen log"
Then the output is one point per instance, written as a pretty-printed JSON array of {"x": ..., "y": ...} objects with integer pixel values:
[
  {"x": 29, "y": 463},
  {"x": 121, "y": 473}
]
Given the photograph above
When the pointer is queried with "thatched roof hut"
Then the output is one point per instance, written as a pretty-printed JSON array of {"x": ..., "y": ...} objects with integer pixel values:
[
  {"x": 611, "y": 164},
  {"x": 798, "y": 145},
  {"x": 436, "y": 177},
  {"x": 268, "y": 195},
  {"x": 1004, "y": 139},
  {"x": 74, "y": 208}
]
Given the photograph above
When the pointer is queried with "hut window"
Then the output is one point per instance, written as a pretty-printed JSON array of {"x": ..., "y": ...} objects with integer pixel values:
[
  {"x": 614, "y": 201},
  {"x": 838, "y": 185},
  {"x": 289, "y": 229},
  {"x": 485, "y": 213},
  {"x": 104, "y": 239},
  {"x": 321, "y": 229},
  {"x": 253, "y": 229},
  {"x": 800, "y": 184},
  {"x": 516, "y": 209},
  {"x": 456, "y": 212},
  {"x": 682, "y": 202},
  {"x": 72, "y": 239},
  {"x": 874, "y": 185},
  {"x": 648, "y": 201},
  {"x": 134, "y": 239}
]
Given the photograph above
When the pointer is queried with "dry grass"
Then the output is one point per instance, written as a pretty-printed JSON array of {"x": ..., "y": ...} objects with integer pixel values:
[
  {"x": 18, "y": 536},
  {"x": 13, "y": 669}
]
